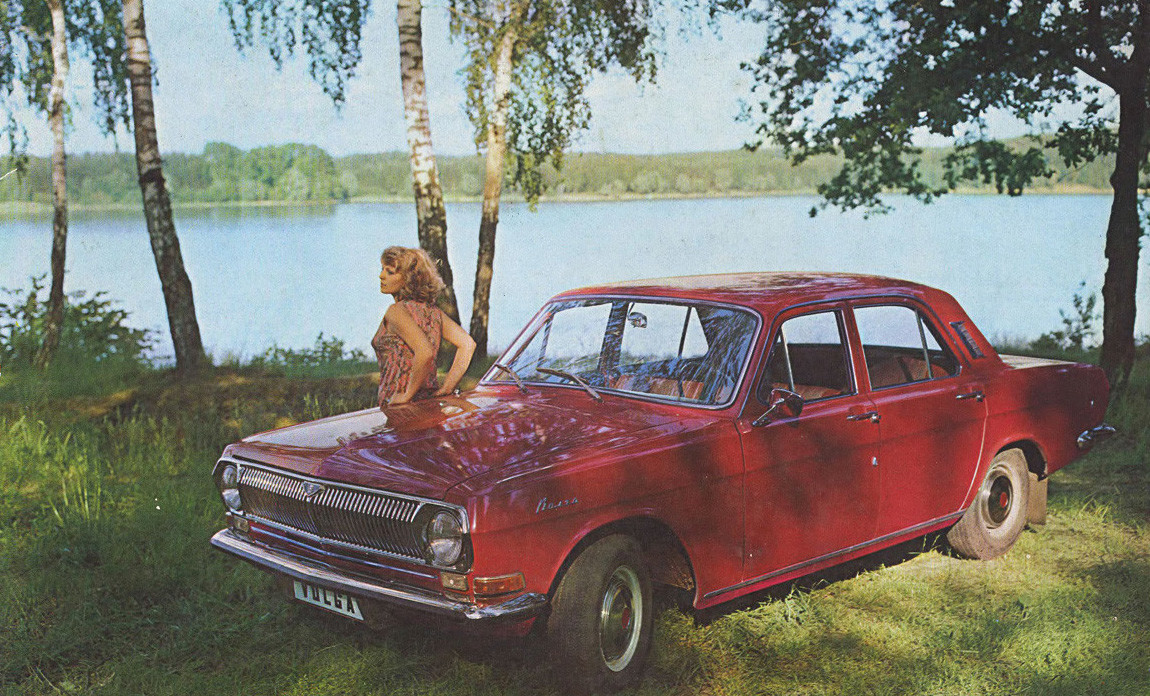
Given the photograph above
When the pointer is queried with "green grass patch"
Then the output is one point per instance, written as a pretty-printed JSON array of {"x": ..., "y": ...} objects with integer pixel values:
[{"x": 108, "y": 585}]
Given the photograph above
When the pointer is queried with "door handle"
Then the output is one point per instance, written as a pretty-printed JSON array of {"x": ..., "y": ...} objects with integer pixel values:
[
  {"x": 977, "y": 395},
  {"x": 872, "y": 416}
]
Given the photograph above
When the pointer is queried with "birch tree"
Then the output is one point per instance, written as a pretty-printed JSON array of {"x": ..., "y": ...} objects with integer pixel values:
[
  {"x": 329, "y": 32},
  {"x": 174, "y": 281},
  {"x": 34, "y": 40},
  {"x": 430, "y": 211},
  {"x": 55, "y": 316},
  {"x": 530, "y": 62}
]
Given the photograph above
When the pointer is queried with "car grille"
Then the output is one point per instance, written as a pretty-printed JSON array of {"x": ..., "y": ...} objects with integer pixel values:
[{"x": 365, "y": 520}]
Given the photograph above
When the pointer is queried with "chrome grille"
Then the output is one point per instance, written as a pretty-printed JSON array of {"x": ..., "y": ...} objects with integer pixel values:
[{"x": 367, "y": 520}]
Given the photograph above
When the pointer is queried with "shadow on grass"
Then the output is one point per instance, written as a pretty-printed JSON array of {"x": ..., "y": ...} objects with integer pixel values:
[{"x": 891, "y": 556}]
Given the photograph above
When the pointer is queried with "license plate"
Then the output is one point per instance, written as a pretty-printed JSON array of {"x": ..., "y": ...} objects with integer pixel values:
[{"x": 340, "y": 603}]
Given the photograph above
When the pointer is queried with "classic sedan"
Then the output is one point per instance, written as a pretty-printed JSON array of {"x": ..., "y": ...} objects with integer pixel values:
[{"x": 717, "y": 434}]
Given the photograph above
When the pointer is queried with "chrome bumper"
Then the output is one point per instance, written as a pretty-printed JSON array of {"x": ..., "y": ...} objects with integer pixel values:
[
  {"x": 522, "y": 607},
  {"x": 1096, "y": 434}
]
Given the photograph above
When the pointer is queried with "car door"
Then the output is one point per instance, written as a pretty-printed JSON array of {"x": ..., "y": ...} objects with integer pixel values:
[
  {"x": 811, "y": 486},
  {"x": 933, "y": 416}
]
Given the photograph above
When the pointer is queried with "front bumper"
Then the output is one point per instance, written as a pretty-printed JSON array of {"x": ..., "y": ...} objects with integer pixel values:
[
  {"x": 523, "y": 606},
  {"x": 1097, "y": 434}
]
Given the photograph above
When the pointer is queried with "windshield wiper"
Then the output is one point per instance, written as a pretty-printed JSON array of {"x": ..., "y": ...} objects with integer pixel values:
[
  {"x": 514, "y": 375},
  {"x": 567, "y": 375}
]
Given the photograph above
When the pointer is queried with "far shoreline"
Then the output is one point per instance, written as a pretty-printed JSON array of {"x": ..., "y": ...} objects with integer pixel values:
[{"x": 28, "y": 209}]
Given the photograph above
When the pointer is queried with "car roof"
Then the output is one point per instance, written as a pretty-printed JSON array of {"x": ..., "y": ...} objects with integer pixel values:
[{"x": 766, "y": 292}]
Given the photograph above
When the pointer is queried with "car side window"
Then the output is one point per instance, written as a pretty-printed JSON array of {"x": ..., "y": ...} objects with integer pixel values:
[
  {"x": 901, "y": 346},
  {"x": 808, "y": 357}
]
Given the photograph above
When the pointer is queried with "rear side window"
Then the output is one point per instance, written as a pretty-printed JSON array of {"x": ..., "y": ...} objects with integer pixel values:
[
  {"x": 900, "y": 346},
  {"x": 809, "y": 357}
]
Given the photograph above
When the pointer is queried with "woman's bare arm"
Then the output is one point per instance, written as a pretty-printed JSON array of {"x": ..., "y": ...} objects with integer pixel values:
[
  {"x": 464, "y": 348},
  {"x": 423, "y": 353}
]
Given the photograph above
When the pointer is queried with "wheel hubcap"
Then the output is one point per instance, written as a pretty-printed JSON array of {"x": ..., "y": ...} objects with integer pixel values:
[
  {"x": 999, "y": 499},
  {"x": 620, "y": 619}
]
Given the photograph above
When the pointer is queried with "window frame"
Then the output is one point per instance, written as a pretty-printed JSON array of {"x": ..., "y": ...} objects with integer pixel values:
[
  {"x": 541, "y": 322},
  {"x": 839, "y": 310},
  {"x": 927, "y": 320}
]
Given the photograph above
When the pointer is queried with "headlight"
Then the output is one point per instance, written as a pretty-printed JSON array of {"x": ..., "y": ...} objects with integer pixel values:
[
  {"x": 228, "y": 483},
  {"x": 444, "y": 538}
]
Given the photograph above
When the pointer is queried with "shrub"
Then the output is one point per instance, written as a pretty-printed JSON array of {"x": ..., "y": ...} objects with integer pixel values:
[
  {"x": 98, "y": 350},
  {"x": 327, "y": 358},
  {"x": 1077, "y": 332},
  {"x": 95, "y": 330}
]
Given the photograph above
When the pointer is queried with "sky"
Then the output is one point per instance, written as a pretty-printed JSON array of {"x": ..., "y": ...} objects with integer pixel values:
[{"x": 207, "y": 91}]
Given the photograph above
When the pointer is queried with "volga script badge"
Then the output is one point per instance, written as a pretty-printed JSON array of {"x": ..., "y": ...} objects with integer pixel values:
[
  {"x": 312, "y": 489},
  {"x": 545, "y": 504}
]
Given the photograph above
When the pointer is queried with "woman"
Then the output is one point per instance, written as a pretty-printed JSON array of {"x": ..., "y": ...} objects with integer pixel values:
[{"x": 408, "y": 337}]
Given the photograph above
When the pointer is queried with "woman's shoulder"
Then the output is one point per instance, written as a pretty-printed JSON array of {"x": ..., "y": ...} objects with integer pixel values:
[
  {"x": 418, "y": 308},
  {"x": 422, "y": 313}
]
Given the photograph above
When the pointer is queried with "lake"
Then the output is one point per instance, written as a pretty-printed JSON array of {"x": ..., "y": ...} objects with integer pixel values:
[{"x": 282, "y": 275}]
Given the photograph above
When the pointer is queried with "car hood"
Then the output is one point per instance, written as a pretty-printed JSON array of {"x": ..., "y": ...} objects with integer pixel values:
[{"x": 427, "y": 447}]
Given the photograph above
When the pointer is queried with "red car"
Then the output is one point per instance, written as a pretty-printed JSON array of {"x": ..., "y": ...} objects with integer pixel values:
[{"x": 718, "y": 434}]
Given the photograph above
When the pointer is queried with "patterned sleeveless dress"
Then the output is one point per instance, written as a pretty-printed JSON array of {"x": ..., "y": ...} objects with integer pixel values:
[{"x": 394, "y": 355}]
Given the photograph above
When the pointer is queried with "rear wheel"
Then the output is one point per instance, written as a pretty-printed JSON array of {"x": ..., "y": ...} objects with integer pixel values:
[
  {"x": 995, "y": 519},
  {"x": 601, "y": 618}
]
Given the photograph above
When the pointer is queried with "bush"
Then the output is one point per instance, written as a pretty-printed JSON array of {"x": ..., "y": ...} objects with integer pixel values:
[
  {"x": 98, "y": 349},
  {"x": 327, "y": 358},
  {"x": 1077, "y": 332},
  {"x": 94, "y": 330}
]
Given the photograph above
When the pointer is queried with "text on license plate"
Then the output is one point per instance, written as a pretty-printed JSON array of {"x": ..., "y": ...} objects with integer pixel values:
[{"x": 338, "y": 602}]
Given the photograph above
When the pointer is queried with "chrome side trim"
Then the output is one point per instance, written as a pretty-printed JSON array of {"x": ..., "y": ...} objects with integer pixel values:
[
  {"x": 522, "y": 607},
  {"x": 835, "y": 554},
  {"x": 1096, "y": 434}
]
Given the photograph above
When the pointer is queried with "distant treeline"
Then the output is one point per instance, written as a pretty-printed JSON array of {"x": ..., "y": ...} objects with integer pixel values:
[{"x": 224, "y": 174}]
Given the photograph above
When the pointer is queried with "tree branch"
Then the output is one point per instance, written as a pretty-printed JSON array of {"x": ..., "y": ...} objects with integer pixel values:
[
  {"x": 467, "y": 16},
  {"x": 32, "y": 33},
  {"x": 1092, "y": 69},
  {"x": 1140, "y": 58},
  {"x": 1097, "y": 41}
]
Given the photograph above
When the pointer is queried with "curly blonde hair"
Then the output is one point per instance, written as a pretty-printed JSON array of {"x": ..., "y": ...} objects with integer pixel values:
[{"x": 421, "y": 280}]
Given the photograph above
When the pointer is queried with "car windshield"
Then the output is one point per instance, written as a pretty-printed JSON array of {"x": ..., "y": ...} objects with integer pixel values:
[{"x": 672, "y": 350}]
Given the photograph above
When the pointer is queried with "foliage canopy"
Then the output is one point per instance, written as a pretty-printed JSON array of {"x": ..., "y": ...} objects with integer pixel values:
[
  {"x": 864, "y": 80},
  {"x": 94, "y": 29},
  {"x": 559, "y": 46},
  {"x": 328, "y": 30}
]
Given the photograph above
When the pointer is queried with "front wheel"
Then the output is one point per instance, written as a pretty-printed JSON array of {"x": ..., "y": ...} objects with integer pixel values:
[
  {"x": 995, "y": 519},
  {"x": 601, "y": 618}
]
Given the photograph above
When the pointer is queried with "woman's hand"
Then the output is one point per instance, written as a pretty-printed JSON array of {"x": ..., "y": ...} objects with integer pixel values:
[{"x": 399, "y": 400}]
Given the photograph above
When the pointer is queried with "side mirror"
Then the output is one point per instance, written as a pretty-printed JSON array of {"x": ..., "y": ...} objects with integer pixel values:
[{"x": 783, "y": 403}]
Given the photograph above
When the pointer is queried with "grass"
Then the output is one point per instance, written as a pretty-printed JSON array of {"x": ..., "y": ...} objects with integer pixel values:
[{"x": 107, "y": 584}]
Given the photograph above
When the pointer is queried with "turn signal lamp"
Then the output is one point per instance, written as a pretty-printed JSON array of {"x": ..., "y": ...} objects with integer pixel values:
[
  {"x": 454, "y": 582},
  {"x": 502, "y": 584}
]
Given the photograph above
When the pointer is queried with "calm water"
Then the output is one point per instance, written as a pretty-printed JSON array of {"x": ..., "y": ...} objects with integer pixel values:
[{"x": 264, "y": 276}]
